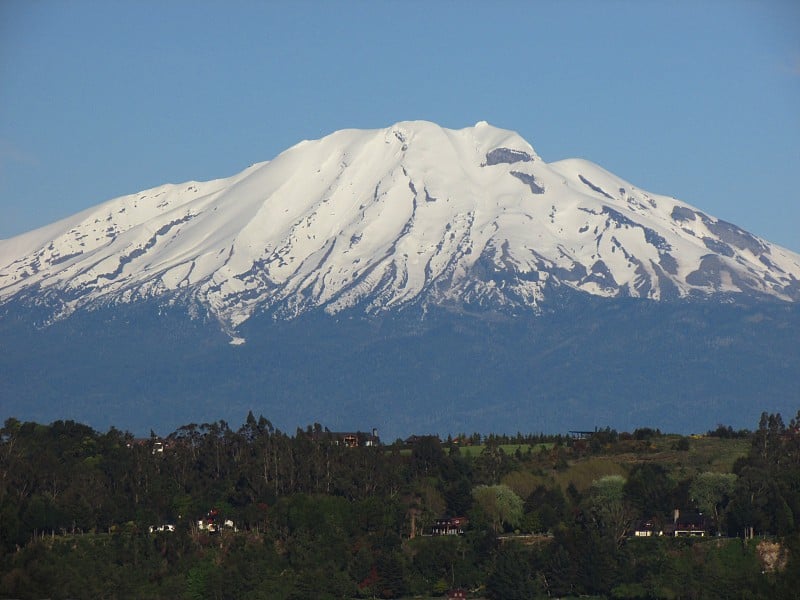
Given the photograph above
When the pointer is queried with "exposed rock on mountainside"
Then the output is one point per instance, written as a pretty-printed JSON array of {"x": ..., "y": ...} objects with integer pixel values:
[{"x": 414, "y": 214}]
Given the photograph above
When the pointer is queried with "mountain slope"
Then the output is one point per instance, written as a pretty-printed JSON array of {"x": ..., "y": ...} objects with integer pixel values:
[
  {"x": 414, "y": 214},
  {"x": 590, "y": 362}
]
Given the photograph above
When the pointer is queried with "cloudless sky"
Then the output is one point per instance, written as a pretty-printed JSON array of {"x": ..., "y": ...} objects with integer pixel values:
[{"x": 694, "y": 99}]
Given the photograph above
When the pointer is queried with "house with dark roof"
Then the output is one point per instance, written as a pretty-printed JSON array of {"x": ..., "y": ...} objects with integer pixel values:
[{"x": 350, "y": 439}]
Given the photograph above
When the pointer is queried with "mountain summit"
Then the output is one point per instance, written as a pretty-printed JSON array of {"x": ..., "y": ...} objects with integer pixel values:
[{"x": 414, "y": 214}]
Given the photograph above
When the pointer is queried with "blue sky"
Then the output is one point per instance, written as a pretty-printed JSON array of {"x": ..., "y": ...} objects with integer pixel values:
[{"x": 698, "y": 100}]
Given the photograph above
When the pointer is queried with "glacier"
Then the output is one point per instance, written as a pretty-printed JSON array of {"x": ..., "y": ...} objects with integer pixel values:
[{"x": 413, "y": 215}]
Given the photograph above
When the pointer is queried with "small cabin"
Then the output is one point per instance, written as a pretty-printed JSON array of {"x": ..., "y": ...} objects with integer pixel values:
[
  {"x": 350, "y": 439},
  {"x": 449, "y": 526}
]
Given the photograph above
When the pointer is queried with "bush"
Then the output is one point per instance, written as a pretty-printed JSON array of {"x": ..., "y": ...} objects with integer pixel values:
[{"x": 682, "y": 445}]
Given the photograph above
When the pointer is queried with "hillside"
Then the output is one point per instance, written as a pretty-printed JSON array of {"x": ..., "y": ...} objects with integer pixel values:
[{"x": 250, "y": 511}]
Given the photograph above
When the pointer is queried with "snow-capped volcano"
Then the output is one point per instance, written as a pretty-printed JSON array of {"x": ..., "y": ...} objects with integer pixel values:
[{"x": 411, "y": 214}]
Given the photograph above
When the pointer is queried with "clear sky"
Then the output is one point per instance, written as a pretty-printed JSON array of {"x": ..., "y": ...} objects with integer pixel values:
[{"x": 694, "y": 99}]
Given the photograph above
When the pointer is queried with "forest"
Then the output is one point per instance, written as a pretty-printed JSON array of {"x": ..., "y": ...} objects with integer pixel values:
[{"x": 215, "y": 512}]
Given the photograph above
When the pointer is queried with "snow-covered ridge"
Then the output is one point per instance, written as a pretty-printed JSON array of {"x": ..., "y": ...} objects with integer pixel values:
[{"x": 414, "y": 213}]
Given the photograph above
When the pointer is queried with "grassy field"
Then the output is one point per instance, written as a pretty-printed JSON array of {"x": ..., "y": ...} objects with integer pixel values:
[
  {"x": 704, "y": 454},
  {"x": 509, "y": 449},
  {"x": 473, "y": 451}
]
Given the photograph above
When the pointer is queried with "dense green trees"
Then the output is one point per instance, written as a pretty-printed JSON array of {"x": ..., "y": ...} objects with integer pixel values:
[
  {"x": 512, "y": 576},
  {"x": 315, "y": 518},
  {"x": 651, "y": 491}
]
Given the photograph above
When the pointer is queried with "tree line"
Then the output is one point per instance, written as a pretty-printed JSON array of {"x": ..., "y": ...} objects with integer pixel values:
[{"x": 313, "y": 517}]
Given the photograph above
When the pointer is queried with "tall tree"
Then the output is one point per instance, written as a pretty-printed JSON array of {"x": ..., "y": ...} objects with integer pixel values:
[
  {"x": 712, "y": 492},
  {"x": 500, "y": 504},
  {"x": 609, "y": 507}
]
